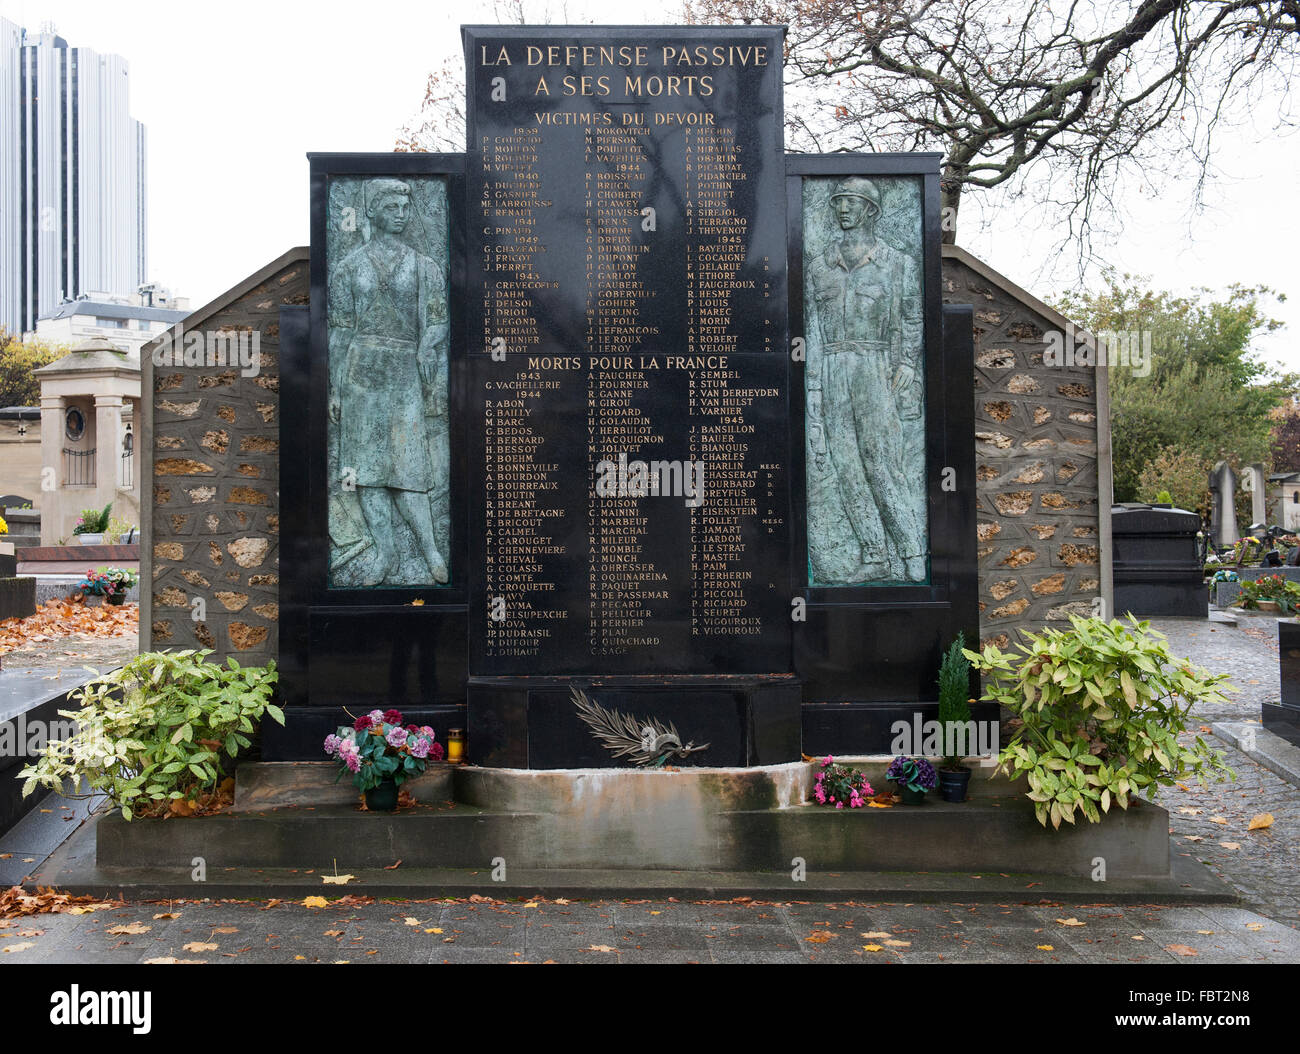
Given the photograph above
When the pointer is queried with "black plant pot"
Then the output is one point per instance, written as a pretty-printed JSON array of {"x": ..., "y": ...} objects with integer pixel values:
[
  {"x": 382, "y": 798},
  {"x": 953, "y": 784}
]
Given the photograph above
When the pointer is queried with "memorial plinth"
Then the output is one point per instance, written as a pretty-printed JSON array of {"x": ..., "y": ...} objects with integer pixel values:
[{"x": 629, "y": 823}]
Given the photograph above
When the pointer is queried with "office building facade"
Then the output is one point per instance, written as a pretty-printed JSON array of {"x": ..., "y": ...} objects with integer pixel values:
[{"x": 72, "y": 176}]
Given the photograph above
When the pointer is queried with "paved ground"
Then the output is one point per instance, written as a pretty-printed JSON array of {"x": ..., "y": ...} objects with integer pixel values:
[
  {"x": 1207, "y": 824},
  {"x": 1211, "y": 824},
  {"x": 647, "y": 932},
  {"x": 71, "y": 655}
]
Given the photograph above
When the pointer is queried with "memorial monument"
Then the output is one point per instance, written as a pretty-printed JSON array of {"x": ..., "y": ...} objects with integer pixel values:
[{"x": 624, "y": 404}]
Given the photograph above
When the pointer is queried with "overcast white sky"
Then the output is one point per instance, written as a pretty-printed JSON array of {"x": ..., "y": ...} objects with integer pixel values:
[{"x": 236, "y": 93}]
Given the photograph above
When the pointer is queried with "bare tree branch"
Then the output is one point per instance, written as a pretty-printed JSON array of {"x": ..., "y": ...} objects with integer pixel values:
[{"x": 1062, "y": 102}]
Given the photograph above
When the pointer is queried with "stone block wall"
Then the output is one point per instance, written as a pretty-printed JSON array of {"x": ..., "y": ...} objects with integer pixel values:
[
  {"x": 212, "y": 440},
  {"x": 1042, "y": 464}
]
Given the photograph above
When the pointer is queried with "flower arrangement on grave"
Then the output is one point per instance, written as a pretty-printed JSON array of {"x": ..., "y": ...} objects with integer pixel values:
[
  {"x": 1270, "y": 589},
  {"x": 93, "y": 521},
  {"x": 4, "y": 527},
  {"x": 841, "y": 786},
  {"x": 379, "y": 747},
  {"x": 110, "y": 582},
  {"x": 914, "y": 775}
]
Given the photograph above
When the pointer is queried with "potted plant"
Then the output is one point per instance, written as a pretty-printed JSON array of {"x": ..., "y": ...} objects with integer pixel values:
[
  {"x": 91, "y": 525},
  {"x": 159, "y": 736},
  {"x": 107, "y": 585},
  {"x": 1102, "y": 711},
  {"x": 954, "y": 718},
  {"x": 914, "y": 777},
  {"x": 381, "y": 753},
  {"x": 841, "y": 786}
]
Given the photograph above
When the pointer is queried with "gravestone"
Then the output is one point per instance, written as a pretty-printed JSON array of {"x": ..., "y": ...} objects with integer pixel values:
[
  {"x": 1255, "y": 482},
  {"x": 1223, "y": 515},
  {"x": 624, "y": 401}
]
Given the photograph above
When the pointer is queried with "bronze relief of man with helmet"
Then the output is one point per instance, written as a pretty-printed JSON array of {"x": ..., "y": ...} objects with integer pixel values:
[{"x": 864, "y": 393}]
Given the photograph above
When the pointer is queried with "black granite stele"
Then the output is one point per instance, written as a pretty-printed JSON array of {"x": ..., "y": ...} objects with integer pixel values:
[
  {"x": 606, "y": 300},
  {"x": 1283, "y": 719}
]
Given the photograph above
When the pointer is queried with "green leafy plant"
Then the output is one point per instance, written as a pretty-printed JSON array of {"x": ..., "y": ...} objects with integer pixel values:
[
  {"x": 1101, "y": 710},
  {"x": 954, "y": 695},
  {"x": 163, "y": 728},
  {"x": 1281, "y": 591},
  {"x": 116, "y": 529},
  {"x": 93, "y": 521}
]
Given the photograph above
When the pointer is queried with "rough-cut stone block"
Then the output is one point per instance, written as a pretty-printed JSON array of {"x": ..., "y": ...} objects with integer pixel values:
[
  {"x": 248, "y": 552},
  {"x": 1071, "y": 555},
  {"x": 231, "y": 601},
  {"x": 1002, "y": 590},
  {"x": 1051, "y": 584},
  {"x": 1020, "y": 556},
  {"x": 1016, "y": 607},
  {"x": 1015, "y": 503},
  {"x": 180, "y": 466},
  {"x": 244, "y": 636}
]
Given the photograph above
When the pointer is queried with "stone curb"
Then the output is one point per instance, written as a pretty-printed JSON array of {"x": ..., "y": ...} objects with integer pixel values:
[{"x": 1261, "y": 745}]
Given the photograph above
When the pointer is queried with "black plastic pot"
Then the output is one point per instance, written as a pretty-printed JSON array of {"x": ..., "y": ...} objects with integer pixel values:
[
  {"x": 953, "y": 783},
  {"x": 382, "y": 798}
]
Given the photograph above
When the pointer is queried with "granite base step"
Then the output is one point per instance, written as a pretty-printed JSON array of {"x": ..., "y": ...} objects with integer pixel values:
[
  {"x": 73, "y": 868},
  {"x": 978, "y": 835}
]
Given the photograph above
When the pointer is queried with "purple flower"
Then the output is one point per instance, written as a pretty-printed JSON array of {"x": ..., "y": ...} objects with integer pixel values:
[
  {"x": 353, "y": 762},
  {"x": 420, "y": 748},
  {"x": 332, "y": 744},
  {"x": 397, "y": 737}
]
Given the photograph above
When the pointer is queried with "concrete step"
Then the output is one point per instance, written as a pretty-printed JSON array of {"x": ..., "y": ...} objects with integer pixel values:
[
  {"x": 996, "y": 834},
  {"x": 72, "y": 867}
]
